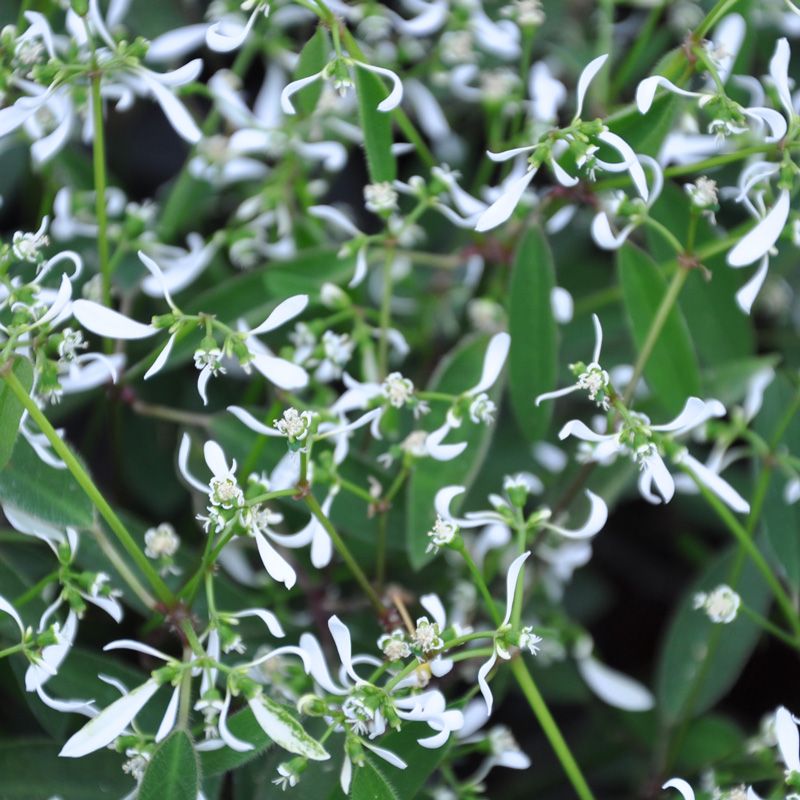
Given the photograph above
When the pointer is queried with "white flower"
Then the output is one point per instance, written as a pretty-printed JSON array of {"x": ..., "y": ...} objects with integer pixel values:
[
  {"x": 26, "y": 246},
  {"x": 394, "y": 645},
  {"x": 426, "y": 635},
  {"x": 380, "y": 198},
  {"x": 294, "y": 425},
  {"x": 287, "y": 778},
  {"x": 397, "y": 389},
  {"x": 702, "y": 193},
  {"x": 721, "y": 605},
  {"x": 482, "y": 410},
  {"x": 441, "y": 535},
  {"x": 161, "y": 541}
]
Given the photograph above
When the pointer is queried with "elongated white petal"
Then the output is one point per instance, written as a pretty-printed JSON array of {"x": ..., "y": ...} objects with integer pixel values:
[
  {"x": 161, "y": 359},
  {"x": 613, "y": 687},
  {"x": 346, "y": 774},
  {"x": 444, "y": 497},
  {"x": 215, "y": 459},
  {"x": 788, "y": 738},
  {"x": 274, "y": 563},
  {"x": 483, "y": 684},
  {"x": 341, "y": 638},
  {"x": 502, "y": 208},
  {"x": 106, "y": 322},
  {"x": 335, "y": 217},
  {"x": 773, "y": 119},
  {"x": 660, "y": 476},
  {"x": 443, "y": 452},
  {"x": 678, "y": 783},
  {"x": 556, "y": 394},
  {"x": 293, "y": 88},
  {"x": 7, "y": 608},
  {"x": 763, "y": 236},
  {"x": 582, "y": 431},
  {"x": 183, "y": 465},
  {"x": 433, "y": 605},
  {"x": 318, "y": 668},
  {"x": 493, "y": 362},
  {"x": 562, "y": 176},
  {"x": 386, "y": 755},
  {"x": 282, "y": 313},
  {"x": 396, "y": 95},
  {"x": 361, "y": 268},
  {"x": 159, "y": 277},
  {"x": 779, "y": 72},
  {"x": 646, "y": 91},
  {"x": 248, "y": 419},
  {"x": 109, "y": 723},
  {"x": 227, "y": 34},
  {"x": 138, "y": 647},
  {"x": 281, "y": 372},
  {"x": 507, "y": 155},
  {"x": 239, "y": 745},
  {"x": 720, "y": 487},
  {"x": 177, "y": 43},
  {"x": 170, "y": 715},
  {"x": 695, "y": 412},
  {"x": 267, "y": 617},
  {"x": 747, "y": 295},
  {"x": 85, "y": 707},
  {"x": 512, "y": 577},
  {"x": 585, "y": 80},
  {"x": 562, "y": 305},
  {"x": 630, "y": 160},
  {"x": 598, "y": 516},
  {"x": 174, "y": 110}
]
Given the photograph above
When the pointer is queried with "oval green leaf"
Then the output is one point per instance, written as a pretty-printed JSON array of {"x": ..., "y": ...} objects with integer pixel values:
[
  {"x": 376, "y": 126},
  {"x": 11, "y": 409},
  {"x": 173, "y": 770}
]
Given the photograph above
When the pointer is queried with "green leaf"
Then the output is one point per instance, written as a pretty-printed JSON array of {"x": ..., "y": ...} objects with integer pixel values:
[
  {"x": 459, "y": 370},
  {"x": 369, "y": 783},
  {"x": 49, "y": 494},
  {"x": 11, "y": 409},
  {"x": 533, "y": 358},
  {"x": 376, "y": 125},
  {"x": 31, "y": 768},
  {"x": 686, "y": 685},
  {"x": 313, "y": 58},
  {"x": 173, "y": 770},
  {"x": 672, "y": 370},
  {"x": 781, "y": 520}
]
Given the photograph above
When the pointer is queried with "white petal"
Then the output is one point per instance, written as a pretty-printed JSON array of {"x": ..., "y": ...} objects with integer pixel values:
[
  {"x": 386, "y": 755},
  {"x": 170, "y": 715},
  {"x": 562, "y": 176},
  {"x": 605, "y": 237},
  {"x": 226, "y": 34},
  {"x": 84, "y": 707},
  {"x": 176, "y": 44},
  {"x": 507, "y": 155},
  {"x": 281, "y": 372},
  {"x": 158, "y": 275},
  {"x": 444, "y": 497},
  {"x": 760, "y": 239},
  {"x": 318, "y": 669},
  {"x": 162, "y": 357},
  {"x": 582, "y": 431},
  {"x": 788, "y": 739},
  {"x": 712, "y": 481},
  {"x": 747, "y": 295},
  {"x": 341, "y": 638},
  {"x": 562, "y": 305},
  {"x": 613, "y": 687},
  {"x": 502, "y": 208},
  {"x": 248, "y": 419},
  {"x": 631, "y": 161},
  {"x": 484, "y": 670},
  {"x": 203, "y": 378},
  {"x": 267, "y": 617},
  {"x": 660, "y": 475},
  {"x": 433, "y": 605},
  {"x": 695, "y": 412},
  {"x": 346, "y": 775},
  {"x": 646, "y": 91},
  {"x": 586, "y": 78},
  {"x": 274, "y": 563},
  {"x": 109, "y": 723},
  {"x": 361, "y": 268},
  {"x": 174, "y": 110},
  {"x": 773, "y": 119},
  {"x": 183, "y": 465},
  {"x": 443, "y": 452},
  {"x": 293, "y": 88},
  {"x": 106, "y": 322},
  {"x": 215, "y": 458},
  {"x": 396, "y": 95},
  {"x": 7, "y": 608},
  {"x": 282, "y": 313},
  {"x": 239, "y": 745},
  {"x": 335, "y": 217},
  {"x": 493, "y": 362},
  {"x": 512, "y": 577},
  {"x": 681, "y": 786},
  {"x": 598, "y": 516},
  {"x": 779, "y": 72},
  {"x": 554, "y": 395},
  {"x": 139, "y": 647}
]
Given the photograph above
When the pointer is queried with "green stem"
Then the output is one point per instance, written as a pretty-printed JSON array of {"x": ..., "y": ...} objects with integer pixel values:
[
  {"x": 550, "y": 728},
  {"x": 481, "y": 584},
  {"x": 386, "y": 314},
  {"x": 35, "y": 590},
  {"x": 654, "y": 332},
  {"x": 769, "y": 627},
  {"x": 344, "y": 552},
  {"x": 720, "y": 9},
  {"x": 9, "y": 651},
  {"x": 85, "y": 482},
  {"x": 99, "y": 161}
]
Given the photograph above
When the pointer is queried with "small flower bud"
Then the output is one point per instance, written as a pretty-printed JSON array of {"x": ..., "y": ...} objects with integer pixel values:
[{"x": 721, "y": 605}]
